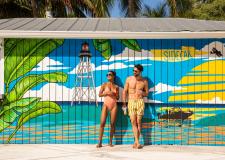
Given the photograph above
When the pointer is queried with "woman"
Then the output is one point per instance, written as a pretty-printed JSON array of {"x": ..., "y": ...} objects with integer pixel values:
[{"x": 110, "y": 92}]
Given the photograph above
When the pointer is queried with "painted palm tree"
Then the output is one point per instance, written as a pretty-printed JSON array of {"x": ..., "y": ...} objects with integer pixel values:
[
  {"x": 159, "y": 11},
  {"x": 131, "y": 8},
  {"x": 19, "y": 79}
]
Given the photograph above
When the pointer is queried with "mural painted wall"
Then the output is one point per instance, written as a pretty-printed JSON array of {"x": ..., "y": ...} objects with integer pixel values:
[{"x": 46, "y": 100}]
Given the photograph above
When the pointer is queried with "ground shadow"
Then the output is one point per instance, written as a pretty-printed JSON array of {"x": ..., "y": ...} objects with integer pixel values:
[
  {"x": 122, "y": 120},
  {"x": 149, "y": 117}
]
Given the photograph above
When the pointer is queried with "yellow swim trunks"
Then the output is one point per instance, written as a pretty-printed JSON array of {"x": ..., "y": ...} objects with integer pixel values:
[{"x": 136, "y": 107}]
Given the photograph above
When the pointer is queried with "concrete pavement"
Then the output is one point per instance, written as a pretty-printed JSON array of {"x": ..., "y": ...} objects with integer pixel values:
[{"x": 119, "y": 152}]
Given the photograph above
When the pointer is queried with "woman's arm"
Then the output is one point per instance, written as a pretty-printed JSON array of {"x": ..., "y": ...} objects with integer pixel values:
[
  {"x": 101, "y": 92},
  {"x": 117, "y": 93}
]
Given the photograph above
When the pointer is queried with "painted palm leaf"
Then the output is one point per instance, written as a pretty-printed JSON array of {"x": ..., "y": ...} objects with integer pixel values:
[
  {"x": 42, "y": 108},
  {"x": 131, "y": 44},
  {"x": 7, "y": 118},
  {"x": 20, "y": 104},
  {"x": 10, "y": 112},
  {"x": 104, "y": 47},
  {"x": 24, "y": 54},
  {"x": 28, "y": 82}
]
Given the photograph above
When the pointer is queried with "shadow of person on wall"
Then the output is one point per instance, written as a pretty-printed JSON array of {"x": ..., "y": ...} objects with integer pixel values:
[
  {"x": 122, "y": 120},
  {"x": 149, "y": 116}
]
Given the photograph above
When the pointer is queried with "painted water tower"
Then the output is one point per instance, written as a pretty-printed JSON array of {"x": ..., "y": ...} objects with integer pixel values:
[{"x": 84, "y": 89}]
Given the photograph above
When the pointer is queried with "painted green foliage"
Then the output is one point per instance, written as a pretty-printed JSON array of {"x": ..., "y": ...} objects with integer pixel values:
[
  {"x": 21, "y": 56},
  {"x": 105, "y": 48}
]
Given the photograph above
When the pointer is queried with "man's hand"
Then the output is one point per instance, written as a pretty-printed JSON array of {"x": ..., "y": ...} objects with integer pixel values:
[
  {"x": 124, "y": 108},
  {"x": 125, "y": 90}
]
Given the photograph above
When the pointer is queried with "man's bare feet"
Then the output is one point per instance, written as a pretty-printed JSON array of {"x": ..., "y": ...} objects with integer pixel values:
[{"x": 99, "y": 145}]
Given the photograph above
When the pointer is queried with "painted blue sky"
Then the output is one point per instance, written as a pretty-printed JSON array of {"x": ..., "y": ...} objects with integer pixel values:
[
  {"x": 65, "y": 58},
  {"x": 115, "y": 12}
]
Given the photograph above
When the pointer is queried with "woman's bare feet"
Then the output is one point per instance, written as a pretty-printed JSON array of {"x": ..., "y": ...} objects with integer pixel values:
[
  {"x": 134, "y": 145},
  {"x": 99, "y": 145},
  {"x": 137, "y": 146},
  {"x": 110, "y": 145}
]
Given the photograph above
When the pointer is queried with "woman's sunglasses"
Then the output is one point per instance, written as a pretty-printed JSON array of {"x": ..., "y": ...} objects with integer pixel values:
[{"x": 108, "y": 74}]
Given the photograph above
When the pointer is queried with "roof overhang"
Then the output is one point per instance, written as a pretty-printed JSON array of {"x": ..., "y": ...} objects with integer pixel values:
[{"x": 110, "y": 35}]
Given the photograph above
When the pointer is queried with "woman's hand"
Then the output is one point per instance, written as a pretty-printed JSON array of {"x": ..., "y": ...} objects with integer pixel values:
[{"x": 110, "y": 93}]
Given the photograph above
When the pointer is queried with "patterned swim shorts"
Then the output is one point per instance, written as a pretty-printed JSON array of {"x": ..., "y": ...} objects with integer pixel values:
[{"x": 136, "y": 107}]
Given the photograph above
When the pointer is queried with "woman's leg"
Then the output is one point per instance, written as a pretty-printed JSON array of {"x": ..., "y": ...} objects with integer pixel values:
[
  {"x": 112, "y": 123},
  {"x": 102, "y": 125}
]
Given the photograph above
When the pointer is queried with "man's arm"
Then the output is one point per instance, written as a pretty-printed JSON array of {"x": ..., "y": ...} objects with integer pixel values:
[
  {"x": 145, "y": 93},
  {"x": 125, "y": 90}
]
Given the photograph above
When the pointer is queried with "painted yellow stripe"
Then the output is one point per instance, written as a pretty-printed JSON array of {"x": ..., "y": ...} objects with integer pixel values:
[
  {"x": 200, "y": 79},
  {"x": 212, "y": 67},
  {"x": 198, "y": 88},
  {"x": 202, "y": 96}
]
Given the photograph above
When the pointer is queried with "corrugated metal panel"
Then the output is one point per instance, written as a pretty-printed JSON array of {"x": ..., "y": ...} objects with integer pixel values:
[
  {"x": 19, "y": 24},
  {"x": 133, "y": 25},
  {"x": 153, "y": 25},
  {"x": 185, "y": 105},
  {"x": 103, "y": 24},
  {"x": 54, "y": 25},
  {"x": 119, "y": 24},
  {"x": 67, "y": 24},
  {"x": 41, "y": 25},
  {"x": 115, "y": 24},
  {"x": 4, "y": 20},
  {"x": 91, "y": 25},
  {"x": 9, "y": 23},
  {"x": 79, "y": 25}
]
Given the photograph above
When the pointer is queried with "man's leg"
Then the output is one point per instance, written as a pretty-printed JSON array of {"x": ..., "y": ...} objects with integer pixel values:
[
  {"x": 139, "y": 118},
  {"x": 133, "y": 119},
  {"x": 140, "y": 113}
]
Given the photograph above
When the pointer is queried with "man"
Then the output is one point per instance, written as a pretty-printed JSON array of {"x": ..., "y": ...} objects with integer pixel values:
[{"x": 137, "y": 89}]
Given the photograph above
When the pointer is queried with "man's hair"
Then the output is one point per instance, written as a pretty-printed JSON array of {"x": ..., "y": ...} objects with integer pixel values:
[{"x": 139, "y": 67}]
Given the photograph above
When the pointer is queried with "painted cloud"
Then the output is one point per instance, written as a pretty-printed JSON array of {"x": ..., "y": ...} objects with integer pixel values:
[
  {"x": 161, "y": 87},
  {"x": 49, "y": 64}
]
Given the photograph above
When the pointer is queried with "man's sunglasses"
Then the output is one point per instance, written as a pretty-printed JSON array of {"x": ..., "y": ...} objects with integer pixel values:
[{"x": 135, "y": 70}]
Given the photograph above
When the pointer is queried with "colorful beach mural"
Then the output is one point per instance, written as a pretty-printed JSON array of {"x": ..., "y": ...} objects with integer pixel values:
[{"x": 51, "y": 90}]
